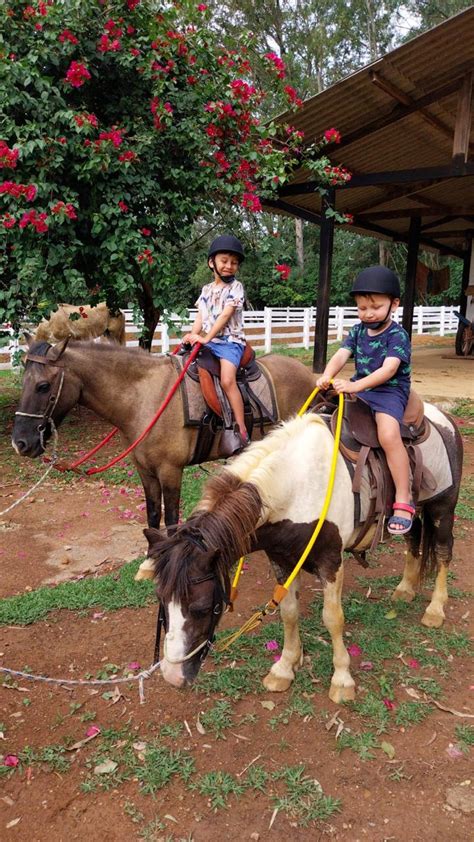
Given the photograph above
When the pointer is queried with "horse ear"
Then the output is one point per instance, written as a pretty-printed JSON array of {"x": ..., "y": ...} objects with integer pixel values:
[
  {"x": 29, "y": 338},
  {"x": 153, "y": 536},
  {"x": 58, "y": 350}
]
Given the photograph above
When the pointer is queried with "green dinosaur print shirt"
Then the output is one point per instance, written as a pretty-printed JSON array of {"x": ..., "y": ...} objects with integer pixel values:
[{"x": 370, "y": 352}]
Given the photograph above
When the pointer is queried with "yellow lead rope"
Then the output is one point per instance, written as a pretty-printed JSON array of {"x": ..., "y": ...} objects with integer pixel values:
[{"x": 281, "y": 590}]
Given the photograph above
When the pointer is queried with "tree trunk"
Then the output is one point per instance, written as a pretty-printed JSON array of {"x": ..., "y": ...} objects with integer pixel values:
[
  {"x": 384, "y": 253},
  {"x": 151, "y": 316},
  {"x": 299, "y": 243}
]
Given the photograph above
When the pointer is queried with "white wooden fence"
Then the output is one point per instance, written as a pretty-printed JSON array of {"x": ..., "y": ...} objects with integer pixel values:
[{"x": 293, "y": 326}]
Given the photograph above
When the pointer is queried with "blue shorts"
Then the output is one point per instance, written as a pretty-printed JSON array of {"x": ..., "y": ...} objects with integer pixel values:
[
  {"x": 226, "y": 350},
  {"x": 389, "y": 399}
]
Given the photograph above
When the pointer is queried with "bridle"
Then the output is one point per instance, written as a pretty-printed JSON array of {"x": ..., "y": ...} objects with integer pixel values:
[
  {"x": 47, "y": 415},
  {"x": 220, "y": 598}
]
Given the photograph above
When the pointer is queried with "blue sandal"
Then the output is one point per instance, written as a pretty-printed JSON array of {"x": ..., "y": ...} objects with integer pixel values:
[{"x": 404, "y": 522}]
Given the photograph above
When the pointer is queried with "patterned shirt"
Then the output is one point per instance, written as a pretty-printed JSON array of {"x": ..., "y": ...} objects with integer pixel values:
[
  {"x": 211, "y": 304},
  {"x": 370, "y": 352}
]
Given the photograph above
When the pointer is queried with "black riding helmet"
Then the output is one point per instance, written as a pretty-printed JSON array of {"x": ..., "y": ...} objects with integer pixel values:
[
  {"x": 376, "y": 279},
  {"x": 227, "y": 243}
]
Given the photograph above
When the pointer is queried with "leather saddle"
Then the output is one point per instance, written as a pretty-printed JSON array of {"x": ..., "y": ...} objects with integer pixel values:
[
  {"x": 205, "y": 370},
  {"x": 361, "y": 449}
]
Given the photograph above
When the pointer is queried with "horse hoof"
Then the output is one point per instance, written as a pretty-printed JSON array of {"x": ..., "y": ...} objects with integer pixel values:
[
  {"x": 141, "y": 575},
  {"x": 342, "y": 694},
  {"x": 404, "y": 596},
  {"x": 432, "y": 621},
  {"x": 276, "y": 684}
]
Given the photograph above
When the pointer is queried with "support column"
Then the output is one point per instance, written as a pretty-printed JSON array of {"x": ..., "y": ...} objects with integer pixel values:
[
  {"x": 410, "y": 276},
  {"x": 465, "y": 278},
  {"x": 326, "y": 241}
]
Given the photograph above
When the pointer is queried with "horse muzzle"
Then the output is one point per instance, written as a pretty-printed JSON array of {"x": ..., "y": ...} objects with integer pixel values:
[{"x": 173, "y": 673}]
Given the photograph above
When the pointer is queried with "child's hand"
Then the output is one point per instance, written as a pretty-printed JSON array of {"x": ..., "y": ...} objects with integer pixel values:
[
  {"x": 323, "y": 381},
  {"x": 192, "y": 338},
  {"x": 347, "y": 386}
]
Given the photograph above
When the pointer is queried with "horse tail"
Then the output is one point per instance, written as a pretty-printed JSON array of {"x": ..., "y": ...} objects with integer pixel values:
[{"x": 429, "y": 561}]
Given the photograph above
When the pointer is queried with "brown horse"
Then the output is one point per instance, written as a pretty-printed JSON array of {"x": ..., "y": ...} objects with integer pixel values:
[
  {"x": 125, "y": 387},
  {"x": 270, "y": 499},
  {"x": 87, "y": 322}
]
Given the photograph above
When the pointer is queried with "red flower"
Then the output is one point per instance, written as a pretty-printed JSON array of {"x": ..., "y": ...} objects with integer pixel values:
[
  {"x": 293, "y": 96},
  {"x": 278, "y": 64},
  {"x": 283, "y": 270},
  {"x": 8, "y": 157},
  {"x": 16, "y": 190},
  {"x": 202, "y": 7},
  {"x": 77, "y": 74},
  {"x": 145, "y": 231},
  {"x": 145, "y": 255},
  {"x": 8, "y": 221},
  {"x": 348, "y": 218},
  {"x": 62, "y": 140},
  {"x": 132, "y": 4},
  {"x": 115, "y": 136},
  {"x": 36, "y": 220},
  {"x": 128, "y": 156},
  {"x": 332, "y": 136},
  {"x": 67, "y": 209},
  {"x": 67, "y": 35},
  {"x": 38, "y": 27},
  {"x": 123, "y": 207},
  {"x": 251, "y": 202},
  {"x": 168, "y": 107}
]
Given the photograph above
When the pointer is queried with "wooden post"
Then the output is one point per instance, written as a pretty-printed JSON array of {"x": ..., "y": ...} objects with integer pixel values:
[
  {"x": 465, "y": 279},
  {"x": 410, "y": 277},
  {"x": 326, "y": 241},
  {"x": 462, "y": 129}
]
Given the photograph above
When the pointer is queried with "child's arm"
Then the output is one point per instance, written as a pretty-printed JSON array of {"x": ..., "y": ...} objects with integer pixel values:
[
  {"x": 333, "y": 367},
  {"x": 384, "y": 373},
  {"x": 194, "y": 334}
]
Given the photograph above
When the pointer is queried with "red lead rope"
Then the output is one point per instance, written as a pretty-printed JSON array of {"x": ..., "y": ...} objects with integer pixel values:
[{"x": 62, "y": 467}]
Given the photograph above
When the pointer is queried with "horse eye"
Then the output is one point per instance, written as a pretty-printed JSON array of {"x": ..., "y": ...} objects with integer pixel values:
[{"x": 43, "y": 387}]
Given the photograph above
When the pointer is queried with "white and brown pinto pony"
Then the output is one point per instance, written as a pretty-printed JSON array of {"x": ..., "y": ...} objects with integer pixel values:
[
  {"x": 82, "y": 322},
  {"x": 270, "y": 499}
]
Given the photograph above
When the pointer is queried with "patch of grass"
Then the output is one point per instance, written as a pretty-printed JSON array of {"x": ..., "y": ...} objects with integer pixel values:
[
  {"x": 299, "y": 706},
  {"x": 410, "y": 713},
  {"x": 465, "y": 737},
  {"x": 218, "y": 719},
  {"x": 160, "y": 765},
  {"x": 54, "y": 757},
  {"x": 304, "y": 800},
  {"x": 218, "y": 787},
  {"x": 463, "y": 408},
  {"x": 173, "y": 730},
  {"x": 110, "y": 592},
  {"x": 361, "y": 743},
  {"x": 374, "y": 712}
]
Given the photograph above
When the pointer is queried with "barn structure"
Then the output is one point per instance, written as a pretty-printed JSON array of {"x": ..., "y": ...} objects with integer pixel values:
[{"x": 407, "y": 139}]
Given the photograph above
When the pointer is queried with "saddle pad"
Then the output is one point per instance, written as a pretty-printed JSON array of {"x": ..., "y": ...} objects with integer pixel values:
[{"x": 194, "y": 405}]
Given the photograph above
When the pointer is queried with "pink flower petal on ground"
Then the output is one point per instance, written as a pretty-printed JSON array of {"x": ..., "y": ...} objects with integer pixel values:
[
  {"x": 276, "y": 658},
  {"x": 245, "y": 566},
  {"x": 414, "y": 664},
  {"x": 354, "y": 650},
  {"x": 92, "y": 731},
  {"x": 97, "y": 615},
  {"x": 366, "y": 665},
  {"x": 272, "y": 645},
  {"x": 133, "y": 665},
  {"x": 389, "y": 704},
  {"x": 454, "y": 752},
  {"x": 11, "y": 760}
]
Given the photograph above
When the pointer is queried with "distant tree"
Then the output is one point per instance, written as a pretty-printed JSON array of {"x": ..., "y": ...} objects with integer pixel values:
[{"x": 123, "y": 123}]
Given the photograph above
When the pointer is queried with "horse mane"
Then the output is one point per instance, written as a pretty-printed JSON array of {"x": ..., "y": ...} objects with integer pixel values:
[{"x": 223, "y": 529}]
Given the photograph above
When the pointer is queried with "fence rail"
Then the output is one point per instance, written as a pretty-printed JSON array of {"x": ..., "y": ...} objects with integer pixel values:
[{"x": 293, "y": 326}]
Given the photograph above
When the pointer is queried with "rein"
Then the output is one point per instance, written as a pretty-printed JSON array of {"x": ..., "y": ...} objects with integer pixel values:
[{"x": 53, "y": 399}]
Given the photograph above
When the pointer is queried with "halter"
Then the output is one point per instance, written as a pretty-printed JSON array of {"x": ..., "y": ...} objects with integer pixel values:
[
  {"x": 220, "y": 599},
  {"x": 53, "y": 399}
]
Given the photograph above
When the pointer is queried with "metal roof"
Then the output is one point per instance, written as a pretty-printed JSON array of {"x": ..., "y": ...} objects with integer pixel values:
[{"x": 396, "y": 116}]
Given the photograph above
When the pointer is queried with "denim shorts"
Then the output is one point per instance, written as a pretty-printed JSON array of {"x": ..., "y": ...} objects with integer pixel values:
[{"x": 226, "y": 350}]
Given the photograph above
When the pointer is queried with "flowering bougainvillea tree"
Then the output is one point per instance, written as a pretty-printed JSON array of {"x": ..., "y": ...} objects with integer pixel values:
[{"x": 122, "y": 122}]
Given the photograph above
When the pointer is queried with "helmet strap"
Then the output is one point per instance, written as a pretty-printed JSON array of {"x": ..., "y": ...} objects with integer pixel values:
[{"x": 377, "y": 325}]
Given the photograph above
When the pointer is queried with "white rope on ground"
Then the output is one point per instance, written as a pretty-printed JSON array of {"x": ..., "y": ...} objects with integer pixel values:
[
  {"x": 54, "y": 459},
  {"x": 141, "y": 677}
]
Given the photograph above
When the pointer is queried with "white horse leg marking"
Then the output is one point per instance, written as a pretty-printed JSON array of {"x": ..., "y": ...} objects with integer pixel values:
[
  {"x": 408, "y": 585},
  {"x": 175, "y": 646},
  {"x": 434, "y": 615},
  {"x": 282, "y": 672},
  {"x": 342, "y": 684},
  {"x": 146, "y": 570}
]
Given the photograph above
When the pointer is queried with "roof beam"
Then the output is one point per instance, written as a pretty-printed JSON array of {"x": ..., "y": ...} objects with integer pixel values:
[
  {"x": 408, "y": 101},
  {"x": 400, "y": 112},
  {"x": 372, "y": 179},
  {"x": 462, "y": 131},
  {"x": 401, "y": 213}
]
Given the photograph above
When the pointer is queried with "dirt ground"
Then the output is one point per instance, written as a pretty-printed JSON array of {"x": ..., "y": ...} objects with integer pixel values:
[{"x": 76, "y": 528}]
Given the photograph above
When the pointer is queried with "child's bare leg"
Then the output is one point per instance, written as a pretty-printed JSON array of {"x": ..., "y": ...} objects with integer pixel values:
[
  {"x": 229, "y": 384},
  {"x": 388, "y": 430}
]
